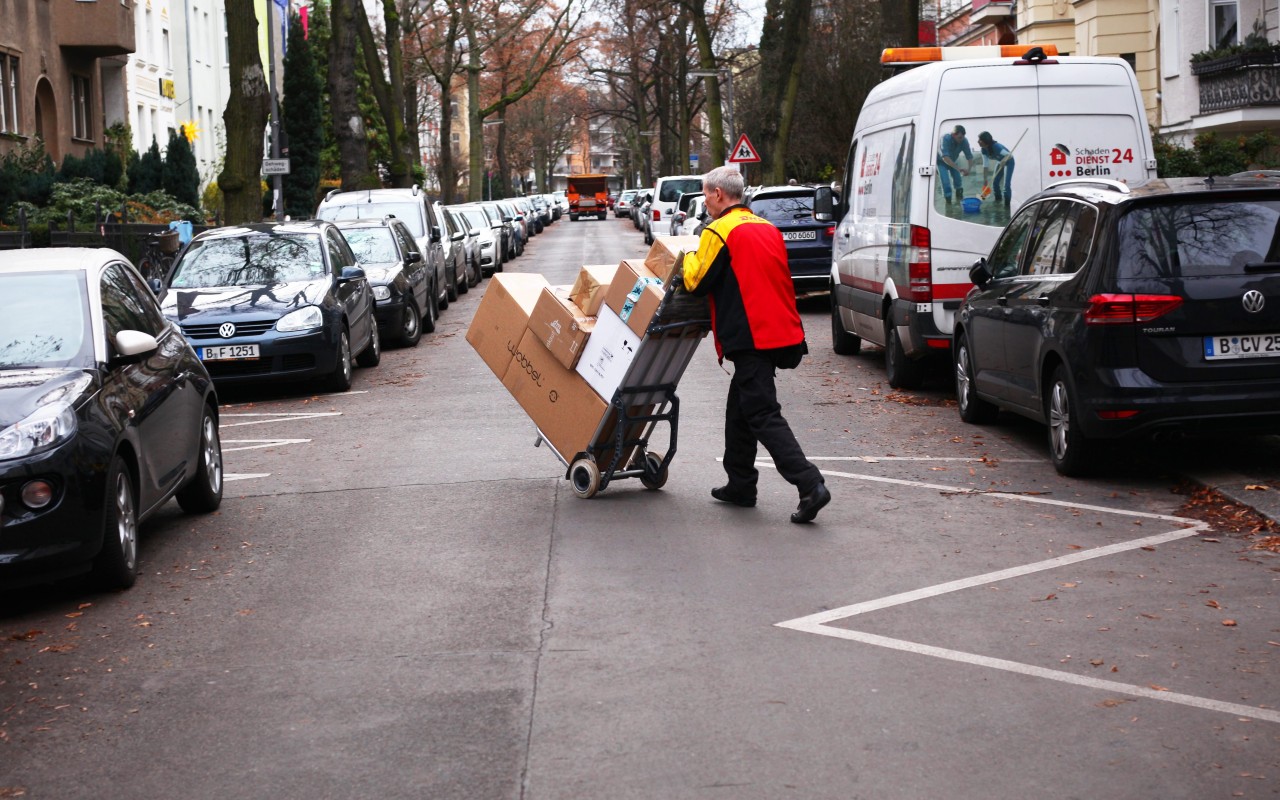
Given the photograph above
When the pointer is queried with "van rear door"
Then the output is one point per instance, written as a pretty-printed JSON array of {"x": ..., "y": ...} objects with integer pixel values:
[{"x": 1092, "y": 123}]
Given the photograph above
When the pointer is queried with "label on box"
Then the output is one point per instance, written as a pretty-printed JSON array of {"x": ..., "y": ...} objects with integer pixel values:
[
  {"x": 608, "y": 354},
  {"x": 637, "y": 293},
  {"x": 560, "y": 325}
]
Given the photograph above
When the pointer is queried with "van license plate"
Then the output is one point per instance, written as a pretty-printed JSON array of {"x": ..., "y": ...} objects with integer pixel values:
[
  {"x": 1255, "y": 346},
  {"x": 799, "y": 236},
  {"x": 229, "y": 352}
]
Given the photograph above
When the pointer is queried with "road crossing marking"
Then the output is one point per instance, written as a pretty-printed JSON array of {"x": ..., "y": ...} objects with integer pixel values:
[{"x": 820, "y": 623}]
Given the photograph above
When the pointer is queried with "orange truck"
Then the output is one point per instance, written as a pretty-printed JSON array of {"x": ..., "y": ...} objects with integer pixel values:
[{"x": 588, "y": 195}]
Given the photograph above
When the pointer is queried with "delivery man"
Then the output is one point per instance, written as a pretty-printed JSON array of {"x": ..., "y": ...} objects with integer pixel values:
[{"x": 741, "y": 265}]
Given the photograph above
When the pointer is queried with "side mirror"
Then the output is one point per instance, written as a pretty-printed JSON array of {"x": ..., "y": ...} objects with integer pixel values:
[
  {"x": 351, "y": 274},
  {"x": 979, "y": 274},
  {"x": 413, "y": 257},
  {"x": 457, "y": 237},
  {"x": 134, "y": 346},
  {"x": 435, "y": 233},
  {"x": 824, "y": 204}
]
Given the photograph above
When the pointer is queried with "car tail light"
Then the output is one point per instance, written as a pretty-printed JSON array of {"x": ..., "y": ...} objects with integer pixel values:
[
  {"x": 919, "y": 267},
  {"x": 1125, "y": 414},
  {"x": 657, "y": 215},
  {"x": 1119, "y": 309},
  {"x": 831, "y": 231}
]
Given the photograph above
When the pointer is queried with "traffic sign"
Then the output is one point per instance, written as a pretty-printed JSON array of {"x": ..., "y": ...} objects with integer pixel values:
[
  {"x": 744, "y": 152},
  {"x": 693, "y": 161},
  {"x": 275, "y": 166}
]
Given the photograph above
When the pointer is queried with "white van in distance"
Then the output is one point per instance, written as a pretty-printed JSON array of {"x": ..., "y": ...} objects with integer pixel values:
[{"x": 942, "y": 154}]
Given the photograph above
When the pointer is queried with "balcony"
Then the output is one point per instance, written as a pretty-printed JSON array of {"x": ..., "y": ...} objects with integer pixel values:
[
  {"x": 95, "y": 27},
  {"x": 1227, "y": 87},
  {"x": 990, "y": 11}
]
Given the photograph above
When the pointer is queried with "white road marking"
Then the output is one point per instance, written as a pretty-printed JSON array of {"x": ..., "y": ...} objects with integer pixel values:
[
  {"x": 276, "y": 417},
  {"x": 876, "y": 459},
  {"x": 820, "y": 623},
  {"x": 243, "y": 476},
  {"x": 318, "y": 396},
  {"x": 258, "y": 444}
]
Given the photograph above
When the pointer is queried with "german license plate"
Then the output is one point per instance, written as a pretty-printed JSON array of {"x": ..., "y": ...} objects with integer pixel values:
[
  {"x": 229, "y": 352},
  {"x": 799, "y": 236},
  {"x": 1260, "y": 345}
]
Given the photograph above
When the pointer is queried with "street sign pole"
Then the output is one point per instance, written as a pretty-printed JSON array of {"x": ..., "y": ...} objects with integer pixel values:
[{"x": 276, "y": 193}]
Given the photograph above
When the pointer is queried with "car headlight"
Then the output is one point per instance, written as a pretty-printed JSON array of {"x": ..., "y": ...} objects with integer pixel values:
[
  {"x": 303, "y": 319},
  {"x": 486, "y": 245},
  {"x": 381, "y": 293},
  {"x": 48, "y": 427}
]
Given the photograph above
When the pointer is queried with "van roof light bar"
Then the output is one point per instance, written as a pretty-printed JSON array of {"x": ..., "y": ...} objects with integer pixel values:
[{"x": 925, "y": 55}]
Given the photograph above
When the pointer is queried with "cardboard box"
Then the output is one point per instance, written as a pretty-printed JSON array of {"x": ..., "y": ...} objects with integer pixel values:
[
  {"x": 665, "y": 251},
  {"x": 588, "y": 291},
  {"x": 503, "y": 317},
  {"x": 609, "y": 352},
  {"x": 560, "y": 325},
  {"x": 634, "y": 295},
  {"x": 557, "y": 399}
]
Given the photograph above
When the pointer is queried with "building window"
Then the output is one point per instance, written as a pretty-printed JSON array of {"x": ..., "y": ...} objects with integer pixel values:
[
  {"x": 164, "y": 49},
  {"x": 80, "y": 106},
  {"x": 1171, "y": 40},
  {"x": 9, "y": 94},
  {"x": 1224, "y": 23}
]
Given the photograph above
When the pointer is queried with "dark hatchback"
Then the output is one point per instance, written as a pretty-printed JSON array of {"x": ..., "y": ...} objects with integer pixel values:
[
  {"x": 1109, "y": 312},
  {"x": 404, "y": 290},
  {"x": 790, "y": 209},
  {"x": 105, "y": 414},
  {"x": 272, "y": 302}
]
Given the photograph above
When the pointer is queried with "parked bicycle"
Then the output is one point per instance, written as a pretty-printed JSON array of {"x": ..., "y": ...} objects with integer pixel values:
[{"x": 157, "y": 258}]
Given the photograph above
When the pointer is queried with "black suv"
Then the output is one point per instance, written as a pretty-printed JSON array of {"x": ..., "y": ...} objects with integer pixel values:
[
  {"x": 808, "y": 239},
  {"x": 1108, "y": 312}
]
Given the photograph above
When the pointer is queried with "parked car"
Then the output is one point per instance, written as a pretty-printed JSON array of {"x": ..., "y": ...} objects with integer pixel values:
[
  {"x": 561, "y": 200},
  {"x": 681, "y": 212},
  {"x": 808, "y": 239},
  {"x": 501, "y": 229},
  {"x": 105, "y": 414},
  {"x": 519, "y": 227},
  {"x": 666, "y": 192},
  {"x": 455, "y": 253},
  {"x": 622, "y": 208},
  {"x": 478, "y": 221},
  {"x": 696, "y": 219},
  {"x": 533, "y": 222},
  {"x": 556, "y": 211},
  {"x": 404, "y": 290},
  {"x": 267, "y": 303},
  {"x": 1106, "y": 311},
  {"x": 640, "y": 208}
]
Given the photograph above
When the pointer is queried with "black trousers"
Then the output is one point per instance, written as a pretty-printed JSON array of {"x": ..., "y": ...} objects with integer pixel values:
[{"x": 752, "y": 416}]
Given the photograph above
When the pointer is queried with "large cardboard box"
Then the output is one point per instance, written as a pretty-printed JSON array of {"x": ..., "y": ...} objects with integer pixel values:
[
  {"x": 503, "y": 317},
  {"x": 557, "y": 399},
  {"x": 634, "y": 295},
  {"x": 665, "y": 251},
  {"x": 588, "y": 290},
  {"x": 609, "y": 352},
  {"x": 560, "y": 325}
]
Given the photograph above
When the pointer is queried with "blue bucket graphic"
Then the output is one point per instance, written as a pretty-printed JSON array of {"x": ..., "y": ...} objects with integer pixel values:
[{"x": 971, "y": 205}]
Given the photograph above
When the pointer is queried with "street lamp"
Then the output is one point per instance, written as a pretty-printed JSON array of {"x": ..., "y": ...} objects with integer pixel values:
[
  {"x": 727, "y": 74},
  {"x": 488, "y": 168}
]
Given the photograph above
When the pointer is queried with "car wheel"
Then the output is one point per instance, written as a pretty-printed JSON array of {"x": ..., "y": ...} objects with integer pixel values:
[
  {"x": 902, "y": 372},
  {"x": 648, "y": 235},
  {"x": 203, "y": 493},
  {"x": 843, "y": 342},
  {"x": 371, "y": 356},
  {"x": 431, "y": 312},
  {"x": 452, "y": 289},
  {"x": 442, "y": 299},
  {"x": 973, "y": 409},
  {"x": 473, "y": 275},
  {"x": 411, "y": 325},
  {"x": 573, "y": 217},
  {"x": 1069, "y": 450},
  {"x": 116, "y": 566},
  {"x": 340, "y": 379}
]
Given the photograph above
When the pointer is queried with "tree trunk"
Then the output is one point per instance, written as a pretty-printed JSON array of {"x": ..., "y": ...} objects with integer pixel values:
[
  {"x": 795, "y": 39},
  {"x": 245, "y": 117},
  {"x": 348, "y": 125},
  {"x": 448, "y": 171},
  {"x": 475, "y": 122},
  {"x": 707, "y": 60}
]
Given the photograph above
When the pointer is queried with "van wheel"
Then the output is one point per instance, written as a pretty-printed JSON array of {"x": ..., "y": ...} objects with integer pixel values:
[
  {"x": 903, "y": 372},
  {"x": 1069, "y": 450},
  {"x": 843, "y": 342},
  {"x": 973, "y": 409}
]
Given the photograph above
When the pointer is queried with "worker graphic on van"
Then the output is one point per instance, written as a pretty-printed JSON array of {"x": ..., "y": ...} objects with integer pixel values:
[
  {"x": 997, "y": 168},
  {"x": 950, "y": 148}
]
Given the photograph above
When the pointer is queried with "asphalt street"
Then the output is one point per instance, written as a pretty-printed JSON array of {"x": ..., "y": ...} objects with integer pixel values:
[{"x": 401, "y": 597}]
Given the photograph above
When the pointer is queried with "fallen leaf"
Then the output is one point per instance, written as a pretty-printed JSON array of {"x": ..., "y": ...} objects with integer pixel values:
[
  {"x": 1112, "y": 702},
  {"x": 1069, "y": 585},
  {"x": 1097, "y": 662},
  {"x": 1158, "y": 688},
  {"x": 25, "y": 637},
  {"x": 1076, "y": 546},
  {"x": 1256, "y": 487},
  {"x": 1213, "y": 604},
  {"x": 1230, "y": 623}
]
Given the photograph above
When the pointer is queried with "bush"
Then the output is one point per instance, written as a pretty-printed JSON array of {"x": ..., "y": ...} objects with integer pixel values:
[
  {"x": 100, "y": 166},
  {"x": 179, "y": 176},
  {"x": 26, "y": 176},
  {"x": 147, "y": 173},
  {"x": 1211, "y": 154}
]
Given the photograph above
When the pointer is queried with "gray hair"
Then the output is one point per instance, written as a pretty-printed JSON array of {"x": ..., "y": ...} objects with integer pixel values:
[{"x": 726, "y": 179}]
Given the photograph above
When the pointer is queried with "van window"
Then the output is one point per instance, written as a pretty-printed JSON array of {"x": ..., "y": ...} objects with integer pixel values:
[
  {"x": 1198, "y": 239},
  {"x": 669, "y": 191},
  {"x": 880, "y": 182}
]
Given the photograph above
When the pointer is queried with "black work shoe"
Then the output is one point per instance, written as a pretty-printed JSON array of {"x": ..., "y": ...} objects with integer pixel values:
[
  {"x": 811, "y": 504},
  {"x": 727, "y": 495}
]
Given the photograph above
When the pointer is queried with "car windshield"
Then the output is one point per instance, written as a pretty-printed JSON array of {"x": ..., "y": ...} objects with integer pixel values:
[
  {"x": 408, "y": 213},
  {"x": 784, "y": 207},
  {"x": 250, "y": 260},
  {"x": 476, "y": 219},
  {"x": 671, "y": 190},
  {"x": 626, "y": 196},
  {"x": 372, "y": 245},
  {"x": 44, "y": 321},
  {"x": 1198, "y": 239}
]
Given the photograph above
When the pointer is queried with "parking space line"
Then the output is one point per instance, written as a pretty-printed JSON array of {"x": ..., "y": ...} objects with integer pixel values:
[
  {"x": 874, "y": 459},
  {"x": 243, "y": 476},
  {"x": 276, "y": 417},
  {"x": 820, "y": 623},
  {"x": 258, "y": 444}
]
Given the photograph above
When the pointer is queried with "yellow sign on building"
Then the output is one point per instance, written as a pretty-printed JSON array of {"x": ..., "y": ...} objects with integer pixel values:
[{"x": 166, "y": 88}]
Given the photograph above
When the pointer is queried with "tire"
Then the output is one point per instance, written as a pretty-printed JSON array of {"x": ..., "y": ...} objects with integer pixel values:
[
  {"x": 1069, "y": 450},
  {"x": 573, "y": 217},
  {"x": 442, "y": 300},
  {"x": 371, "y": 356},
  {"x": 432, "y": 311},
  {"x": 842, "y": 342},
  {"x": 902, "y": 372},
  {"x": 410, "y": 325},
  {"x": 203, "y": 493},
  {"x": 340, "y": 379},
  {"x": 973, "y": 409},
  {"x": 648, "y": 235},
  {"x": 116, "y": 566},
  {"x": 655, "y": 475},
  {"x": 601, "y": 216},
  {"x": 452, "y": 289},
  {"x": 584, "y": 475},
  {"x": 473, "y": 275}
]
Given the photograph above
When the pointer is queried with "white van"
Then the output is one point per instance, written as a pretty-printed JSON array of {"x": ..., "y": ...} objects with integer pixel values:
[
  {"x": 942, "y": 154},
  {"x": 666, "y": 192}
]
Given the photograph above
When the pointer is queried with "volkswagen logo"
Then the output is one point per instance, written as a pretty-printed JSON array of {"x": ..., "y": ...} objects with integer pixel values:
[
  {"x": 1253, "y": 301},
  {"x": 226, "y": 330}
]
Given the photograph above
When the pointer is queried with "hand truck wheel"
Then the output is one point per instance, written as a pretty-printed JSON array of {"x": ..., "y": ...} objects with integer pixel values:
[
  {"x": 655, "y": 475},
  {"x": 585, "y": 477}
]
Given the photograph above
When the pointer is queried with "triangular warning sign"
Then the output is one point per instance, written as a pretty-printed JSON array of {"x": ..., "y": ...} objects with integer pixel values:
[{"x": 744, "y": 152}]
